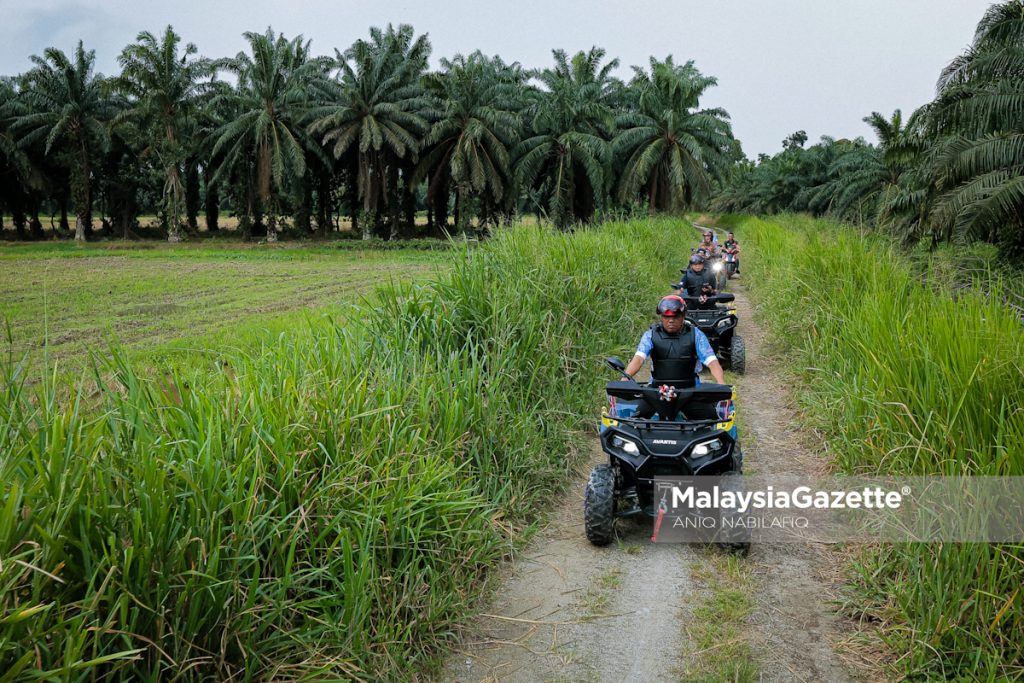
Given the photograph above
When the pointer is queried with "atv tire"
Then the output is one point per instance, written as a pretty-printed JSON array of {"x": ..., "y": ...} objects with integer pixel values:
[
  {"x": 738, "y": 355},
  {"x": 735, "y": 541},
  {"x": 599, "y": 505}
]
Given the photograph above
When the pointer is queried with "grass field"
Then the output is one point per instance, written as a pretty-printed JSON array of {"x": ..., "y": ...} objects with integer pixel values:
[{"x": 157, "y": 299}]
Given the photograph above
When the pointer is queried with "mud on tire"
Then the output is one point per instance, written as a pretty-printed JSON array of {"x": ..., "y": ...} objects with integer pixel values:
[{"x": 599, "y": 505}]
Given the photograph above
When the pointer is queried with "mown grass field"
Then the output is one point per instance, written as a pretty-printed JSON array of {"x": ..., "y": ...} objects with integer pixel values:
[{"x": 159, "y": 300}]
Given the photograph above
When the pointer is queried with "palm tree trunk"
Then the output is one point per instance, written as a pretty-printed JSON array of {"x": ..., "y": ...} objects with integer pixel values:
[
  {"x": 18, "y": 218},
  {"x": 35, "y": 225},
  {"x": 264, "y": 181},
  {"x": 394, "y": 202},
  {"x": 408, "y": 206},
  {"x": 652, "y": 199},
  {"x": 83, "y": 213},
  {"x": 304, "y": 211},
  {"x": 211, "y": 203},
  {"x": 368, "y": 186},
  {"x": 323, "y": 203},
  {"x": 172, "y": 203},
  {"x": 271, "y": 222},
  {"x": 192, "y": 196},
  {"x": 64, "y": 225}
]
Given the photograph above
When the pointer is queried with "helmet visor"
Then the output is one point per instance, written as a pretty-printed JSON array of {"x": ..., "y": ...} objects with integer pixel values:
[{"x": 671, "y": 306}]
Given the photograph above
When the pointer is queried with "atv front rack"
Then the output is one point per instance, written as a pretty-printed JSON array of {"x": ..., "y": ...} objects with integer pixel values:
[{"x": 640, "y": 423}]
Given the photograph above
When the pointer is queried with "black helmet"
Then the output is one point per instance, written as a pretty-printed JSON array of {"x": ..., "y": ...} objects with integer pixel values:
[
  {"x": 672, "y": 305},
  {"x": 697, "y": 258}
]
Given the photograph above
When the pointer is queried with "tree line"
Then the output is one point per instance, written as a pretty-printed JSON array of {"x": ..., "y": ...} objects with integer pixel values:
[
  {"x": 953, "y": 170},
  {"x": 291, "y": 141}
]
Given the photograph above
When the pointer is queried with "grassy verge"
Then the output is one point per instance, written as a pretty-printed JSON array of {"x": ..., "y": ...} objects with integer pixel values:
[
  {"x": 910, "y": 365},
  {"x": 324, "y": 506},
  {"x": 720, "y": 652}
]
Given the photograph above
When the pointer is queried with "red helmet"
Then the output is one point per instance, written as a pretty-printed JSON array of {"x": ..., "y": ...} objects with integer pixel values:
[{"x": 672, "y": 305}]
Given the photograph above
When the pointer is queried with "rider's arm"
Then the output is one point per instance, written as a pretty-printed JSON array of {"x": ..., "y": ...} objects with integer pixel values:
[
  {"x": 706, "y": 355},
  {"x": 635, "y": 364},
  {"x": 643, "y": 350},
  {"x": 715, "y": 368}
]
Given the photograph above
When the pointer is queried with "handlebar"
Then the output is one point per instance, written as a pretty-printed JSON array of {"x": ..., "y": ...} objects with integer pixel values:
[{"x": 723, "y": 298}]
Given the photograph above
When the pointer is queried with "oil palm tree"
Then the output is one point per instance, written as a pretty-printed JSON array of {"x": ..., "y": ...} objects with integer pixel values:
[
  {"x": 672, "y": 149},
  {"x": 979, "y": 116},
  {"x": 267, "y": 140},
  {"x": 164, "y": 85},
  {"x": 470, "y": 140},
  {"x": 379, "y": 112},
  {"x": 62, "y": 104},
  {"x": 571, "y": 123},
  {"x": 16, "y": 168}
]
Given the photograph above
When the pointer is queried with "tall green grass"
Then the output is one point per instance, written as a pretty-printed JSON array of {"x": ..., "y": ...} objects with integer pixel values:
[
  {"x": 322, "y": 506},
  {"x": 910, "y": 366}
]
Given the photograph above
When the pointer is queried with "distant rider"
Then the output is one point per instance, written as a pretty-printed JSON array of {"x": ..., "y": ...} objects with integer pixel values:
[
  {"x": 709, "y": 244},
  {"x": 676, "y": 348},
  {"x": 697, "y": 282},
  {"x": 731, "y": 246}
]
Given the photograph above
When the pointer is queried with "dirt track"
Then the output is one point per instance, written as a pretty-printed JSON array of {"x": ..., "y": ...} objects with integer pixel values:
[{"x": 568, "y": 611}]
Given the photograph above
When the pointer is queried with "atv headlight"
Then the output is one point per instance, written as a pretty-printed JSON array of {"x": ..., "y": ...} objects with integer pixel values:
[
  {"x": 706, "y": 447},
  {"x": 717, "y": 267},
  {"x": 625, "y": 445},
  {"x": 724, "y": 322}
]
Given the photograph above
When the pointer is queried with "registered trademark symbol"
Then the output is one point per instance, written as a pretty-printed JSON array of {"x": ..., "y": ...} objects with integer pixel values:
[{"x": 905, "y": 490}]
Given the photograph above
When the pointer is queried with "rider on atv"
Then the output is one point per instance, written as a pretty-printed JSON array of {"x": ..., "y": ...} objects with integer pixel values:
[
  {"x": 708, "y": 245},
  {"x": 731, "y": 246},
  {"x": 675, "y": 347},
  {"x": 697, "y": 281}
]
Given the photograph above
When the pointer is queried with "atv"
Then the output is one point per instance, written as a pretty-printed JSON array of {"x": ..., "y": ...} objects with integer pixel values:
[
  {"x": 717, "y": 266},
  {"x": 648, "y": 433},
  {"x": 730, "y": 264},
  {"x": 718, "y": 323}
]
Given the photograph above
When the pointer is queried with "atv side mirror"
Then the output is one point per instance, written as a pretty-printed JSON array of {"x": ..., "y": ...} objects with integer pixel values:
[{"x": 616, "y": 363}]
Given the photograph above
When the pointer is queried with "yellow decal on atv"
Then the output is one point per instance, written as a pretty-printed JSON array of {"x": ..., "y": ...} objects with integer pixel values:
[{"x": 607, "y": 421}]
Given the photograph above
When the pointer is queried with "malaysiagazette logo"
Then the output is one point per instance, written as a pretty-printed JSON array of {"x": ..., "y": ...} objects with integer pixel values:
[
  {"x": 798, "y": 498},
  {"x": 795, "y": 508}
]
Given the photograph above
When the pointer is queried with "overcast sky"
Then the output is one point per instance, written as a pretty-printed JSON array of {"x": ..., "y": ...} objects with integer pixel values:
[{"x": 782, "y": 65}]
